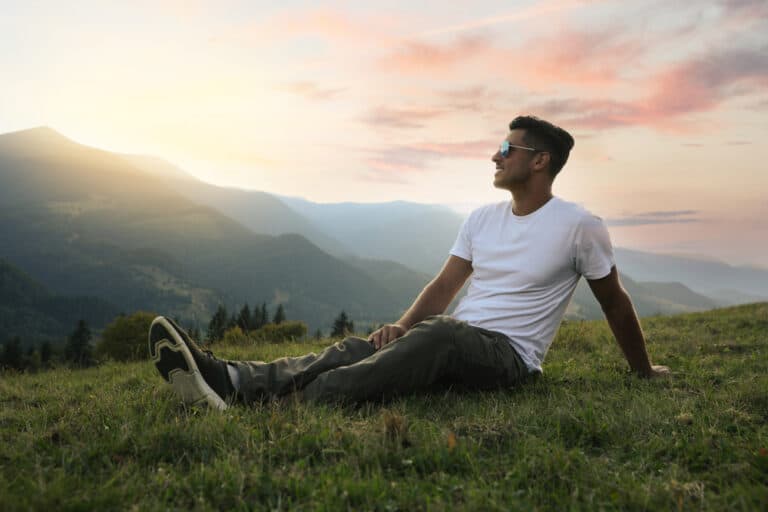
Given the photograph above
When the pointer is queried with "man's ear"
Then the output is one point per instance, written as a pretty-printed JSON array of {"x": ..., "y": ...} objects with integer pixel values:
[{"x": 541, "y": 160}]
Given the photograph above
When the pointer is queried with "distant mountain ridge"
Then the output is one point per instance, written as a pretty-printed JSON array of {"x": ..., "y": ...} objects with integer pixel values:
[
  {"x": 706, "y": 277},
  {"x": 95, "y": 224},
  {"x": 144, "y": 234}
]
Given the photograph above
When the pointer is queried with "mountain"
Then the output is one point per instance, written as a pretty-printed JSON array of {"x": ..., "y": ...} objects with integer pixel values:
[
  {"x": 88, "y": 222},
  {"x": 260, "y": 212},
  {"x": 31, "y": 312},
  {"x": 706, "y": 277},
  {"x": 418, "y": 236},
  {"x": 649, "y": 298},
  {"x": 415, "y": 235},
  {"x": 143, "y": 234}
]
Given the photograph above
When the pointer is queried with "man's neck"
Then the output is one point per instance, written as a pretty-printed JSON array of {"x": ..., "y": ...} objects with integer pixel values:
[{"x": 525, "y": 202}]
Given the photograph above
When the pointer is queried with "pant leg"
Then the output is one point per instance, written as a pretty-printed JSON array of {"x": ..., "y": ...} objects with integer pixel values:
[
  {"x": 437, "y": 350},
  {"x": 260, "y": 380}
]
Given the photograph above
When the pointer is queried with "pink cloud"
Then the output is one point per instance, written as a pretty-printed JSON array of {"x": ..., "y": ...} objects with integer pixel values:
[
  {"x": 579, "y": 58},
  {"x": 406, "y": 159},
  {"x": 698, "y": 85},
  {"x": 408, "y": 118},
  {"x": 568, "y": 58},
  {"x": 417, "y": 57},
  {"x": 310, "y": 90},
  {"x": 703, "y": 83},
  {"x": 469, "y": 149}
]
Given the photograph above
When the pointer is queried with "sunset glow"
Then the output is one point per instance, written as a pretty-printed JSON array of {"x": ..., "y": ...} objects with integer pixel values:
[{"x": 382, "y": 101}]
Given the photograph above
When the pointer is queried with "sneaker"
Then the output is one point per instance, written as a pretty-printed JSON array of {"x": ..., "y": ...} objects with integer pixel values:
[{"x": 196, "y": 375}]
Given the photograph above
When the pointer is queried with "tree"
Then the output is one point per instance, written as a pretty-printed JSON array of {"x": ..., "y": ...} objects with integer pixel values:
[
  {"x": 342, "y": 326},
  {"x": 279, "y": 315},
  {"x": 318, "y": 334},
  {"x": 261, "y": 317},
  {"x": 218, "y": 324},
  {"x": 232, "y": 322},
  {"x": 12, "y": 357},
  {"x": 244, "y": 319},
  {"x": 125, "y": 339},
  {"x": 78, "y": 349}
]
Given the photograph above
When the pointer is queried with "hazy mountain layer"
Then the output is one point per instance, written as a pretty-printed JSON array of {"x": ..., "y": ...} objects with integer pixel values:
[
  {"x": 144, "y": 235},
  {"x": 707, "y": 277},
  {"x": 86, "y": 221}
]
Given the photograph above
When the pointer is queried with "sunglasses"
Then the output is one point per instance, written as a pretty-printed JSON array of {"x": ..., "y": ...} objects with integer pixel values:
[{"x": 506, "y": 148}]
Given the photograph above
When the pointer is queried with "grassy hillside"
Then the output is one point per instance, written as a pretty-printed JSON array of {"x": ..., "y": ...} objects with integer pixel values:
[{"x": 584, "y": 436}]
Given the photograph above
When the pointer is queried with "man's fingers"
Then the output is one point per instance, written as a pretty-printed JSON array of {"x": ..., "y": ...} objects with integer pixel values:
[{"x": 385, "y": 335}]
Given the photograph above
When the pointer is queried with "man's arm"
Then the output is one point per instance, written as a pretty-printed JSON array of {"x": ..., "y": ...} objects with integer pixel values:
[
  {"x": 433, "y": 299},
  {"x": 622, "y": 318}
]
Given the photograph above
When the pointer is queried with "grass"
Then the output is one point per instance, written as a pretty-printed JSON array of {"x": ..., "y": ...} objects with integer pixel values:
[{"x": 585, "y": 436}]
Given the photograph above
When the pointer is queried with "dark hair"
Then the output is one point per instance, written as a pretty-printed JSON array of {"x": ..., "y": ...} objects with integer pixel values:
[{"x": 545, "y": 136}]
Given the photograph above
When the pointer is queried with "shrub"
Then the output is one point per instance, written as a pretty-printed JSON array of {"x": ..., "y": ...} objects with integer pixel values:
[
  {"x": 236, "y": 336},
  {"x": 125, "y": 339},
  {"x": 285, "y": 331}
]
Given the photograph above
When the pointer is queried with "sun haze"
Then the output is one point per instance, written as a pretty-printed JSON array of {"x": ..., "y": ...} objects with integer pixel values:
[{"x": 381, "y": 101}]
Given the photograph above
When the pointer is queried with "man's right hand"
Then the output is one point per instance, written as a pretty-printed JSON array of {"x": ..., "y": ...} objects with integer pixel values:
[{"x": 386, "y": 334}]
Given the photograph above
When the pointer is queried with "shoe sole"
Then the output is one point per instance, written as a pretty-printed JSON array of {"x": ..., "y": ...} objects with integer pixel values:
[{"x": 174, "y": 361}]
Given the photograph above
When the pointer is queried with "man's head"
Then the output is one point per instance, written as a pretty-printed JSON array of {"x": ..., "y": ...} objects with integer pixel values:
[{"x": 546, "y": 138}]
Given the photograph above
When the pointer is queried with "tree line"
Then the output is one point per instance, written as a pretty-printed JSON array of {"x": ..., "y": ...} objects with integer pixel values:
[{"x": 125, "y": 338}]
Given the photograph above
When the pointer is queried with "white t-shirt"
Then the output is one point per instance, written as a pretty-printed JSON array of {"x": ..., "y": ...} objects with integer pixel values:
[{"x": 525, "y": 269}]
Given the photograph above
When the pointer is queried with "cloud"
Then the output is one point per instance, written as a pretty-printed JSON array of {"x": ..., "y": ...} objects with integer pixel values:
[
  {"x": 694, "y": 86},
  {"x": 310, "y": 90},
  {"x": 474, "y": 99},
  {"x": 574, "y": 57},
  {"x": 703, "y": 83},
  {"x": 657, "y": 217},
  {"x": 407, "y": 118},
  {"x": 418, "y": 57},
  {"x": 469, "y": 149},
  {"x": 742, "y": 13},
  {"x": 568, "y": 57},
  {"x": 405, "y": 159},
  {"x": 534, "y": 11}
]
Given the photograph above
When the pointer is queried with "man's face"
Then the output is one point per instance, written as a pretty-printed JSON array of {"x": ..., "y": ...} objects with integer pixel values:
[{"x": 515, "y": 169}]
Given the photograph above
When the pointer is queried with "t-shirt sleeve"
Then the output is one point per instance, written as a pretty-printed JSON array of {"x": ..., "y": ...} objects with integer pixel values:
[
  {"x": 594, "y": 252},
  {"x": 462, "y": 247}
]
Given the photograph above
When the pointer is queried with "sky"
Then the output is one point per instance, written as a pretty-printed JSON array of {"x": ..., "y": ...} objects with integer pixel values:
[{"x": 380, "y": 101}]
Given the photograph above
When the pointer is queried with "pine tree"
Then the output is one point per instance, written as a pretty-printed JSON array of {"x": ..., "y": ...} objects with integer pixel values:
[
  {"x": 318, "y": 334},
  {"x": 218, "y": 324},
  {"x": 244, "y": 320},
  {"x": 342, "y": 326},
  {"x": 279, "y": 315},
  {"x": 78, "y": 349},
  {"x": 232, "y": 322},
  {"x": 263, "y": 316}
]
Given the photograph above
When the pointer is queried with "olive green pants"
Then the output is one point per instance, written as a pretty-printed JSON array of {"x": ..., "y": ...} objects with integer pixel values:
[{"x": 438, "y": 352}]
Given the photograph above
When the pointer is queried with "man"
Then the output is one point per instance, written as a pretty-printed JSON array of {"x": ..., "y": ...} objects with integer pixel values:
[{"x": 525, "y": 258}]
